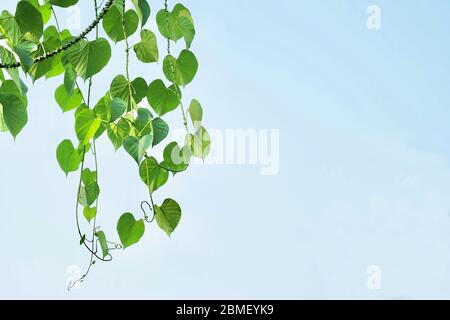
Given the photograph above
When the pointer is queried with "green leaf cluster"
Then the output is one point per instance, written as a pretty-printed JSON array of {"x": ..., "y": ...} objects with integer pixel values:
[{"x": 130, "y": 114}]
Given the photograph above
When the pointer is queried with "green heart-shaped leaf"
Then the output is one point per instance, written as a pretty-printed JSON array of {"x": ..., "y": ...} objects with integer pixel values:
[
  {"x": 112, "y": 23},
  {"x": 89, "y": 57},
  {"x": 200, "y": 143},
  {"x": 152, "y": 175},
  {"x": 162, "y": 99},
  {"x": 181, "y": 71},
  {"x": 168, "y": 216},
  {"x": 68, "y": 157},
  {"x": 117, "y": 132},
  {"x": 89, "y": 213},
  {"x": 160, "y": 130},
  {"x": 122, "y": 89},
  {"x": 137, "y": 147},
  {"x": 196, "y": 113},
  {"x": 88, "y": 194},
  {"x": 176, "y": 24},
  {"x": 29, "y": 19},
  {"x": 175, "y": 159},
  {"x": 86, "y": 125},
  {"x": 88, "y": 177},
  {"x": 147, "y": 49},
  {"x": 130, "y": 231},
  {"x": 143, "y": 9},
  {"x": 140, "y": 87},
  {"x": 103, "y": 108},
  {"x": 143, "y": 122},
  {"x": 66, "y": 102},
  {"x": 14, "y": 112},
  {"x": 118, "y": 107}
]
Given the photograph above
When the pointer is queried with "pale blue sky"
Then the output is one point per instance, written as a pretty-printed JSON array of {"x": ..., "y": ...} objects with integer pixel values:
[{"x": 364, "y": 164}]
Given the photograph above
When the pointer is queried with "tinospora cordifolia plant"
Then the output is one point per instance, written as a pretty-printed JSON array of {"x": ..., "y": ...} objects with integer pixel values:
[{"x": 33, "y": 46}]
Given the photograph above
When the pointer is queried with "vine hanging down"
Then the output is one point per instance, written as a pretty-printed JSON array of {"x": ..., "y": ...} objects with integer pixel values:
[{"x": 33, "y": 46}]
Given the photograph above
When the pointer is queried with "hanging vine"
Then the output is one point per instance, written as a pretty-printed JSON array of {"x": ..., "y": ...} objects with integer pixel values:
[{"x": 36, "y": 48}]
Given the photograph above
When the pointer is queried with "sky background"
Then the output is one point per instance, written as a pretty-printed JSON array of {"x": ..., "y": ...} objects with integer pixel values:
[{"x": 364, "y": 164}]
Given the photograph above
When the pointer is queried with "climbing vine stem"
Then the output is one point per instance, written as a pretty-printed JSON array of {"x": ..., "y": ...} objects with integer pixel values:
[{"x": 93, "y": 251}]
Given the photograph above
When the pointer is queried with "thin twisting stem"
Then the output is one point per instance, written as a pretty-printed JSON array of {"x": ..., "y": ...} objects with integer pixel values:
[
  {"x": 78, "y": 194},
  {"x": 93, "y": 242},
  {"x": 93, "y": 141}
]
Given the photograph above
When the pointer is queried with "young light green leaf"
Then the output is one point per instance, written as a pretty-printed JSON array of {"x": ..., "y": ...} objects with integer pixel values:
[
  {"x": 152, "y": 175},
  {"x": 88, "y": 194},
  {"x": 103, "y": 108},
  {"x": 68, "y": 157},
  {"x": 168, "y": 216},
  {"x": 90, "y": 213},
  {"x": 86, "y": 125},
  {"x": 130, "y": 231},
  {"x": 200, "y": 143},
  {"x": 175, "y": 159},
  {"x": 196, "y": 114},
  {"x": 66, "y": 102}
]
